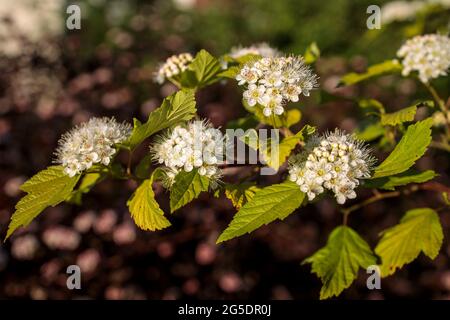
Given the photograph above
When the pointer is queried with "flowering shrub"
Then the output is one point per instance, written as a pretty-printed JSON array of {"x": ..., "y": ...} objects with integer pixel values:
[{"x": 189, "y": 156}]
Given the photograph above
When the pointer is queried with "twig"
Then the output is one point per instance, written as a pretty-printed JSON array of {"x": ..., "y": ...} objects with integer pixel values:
[
  {"x": 435, "y": 95},
  {"x": 375, "y": 198}
]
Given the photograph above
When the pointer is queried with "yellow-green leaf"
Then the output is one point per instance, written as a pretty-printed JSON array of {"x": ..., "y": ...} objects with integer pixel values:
[
  {"x": 387, "y": 67},
  {"x": 284, "y": 148},
  {"x": 176, "y": 108},
  {"x": 187, "y": 187},
  {"x": 144, "y": 209},
  {"x": 47, "y": 188},
  {"x": 240, "y": 194},
  {"x": 398, "y": 117},
  {"x": 389, "y": 183},
  {"x": 418, "y": 231},
  {"x": 312, "y": 53},
  {"x": 88, "y": 181},
  {"x": 411, "y": 147},
  {"x": 205, "y": 68},
  {"x": 268, "y": 204},
  {"x": 337, "y": 264},
  {"x": 370, "y": 132},
  {"x": 293, "y": 116}
]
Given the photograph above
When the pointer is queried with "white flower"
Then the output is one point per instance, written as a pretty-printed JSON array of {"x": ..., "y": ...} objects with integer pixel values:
[
  {"x": 172, "y": 67},
  {"x": 261, "y": 49},
  {"x": 254, "y": 94},
  {"x": 334, "y": 161},
  {"x": 429, "y": 55},
  {"x": 90, "y": 143},
  {"x": 247, "y": 75},
  {"x": 400, "y": 10},
  {"x": 197, "y": 145},
  {"x": 28, "y": 25},
  {"x": 280, "y": 79}
]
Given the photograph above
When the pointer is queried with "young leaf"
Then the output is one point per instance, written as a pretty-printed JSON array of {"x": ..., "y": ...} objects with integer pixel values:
[
  {"x": 230, "y": 73},
  {"x": 293, "y": 116},
  {"x": 370, "y": 132},
  {"x": 337, "y": 263},
  {"x": 187, "y": 187},
  {"x": 371, "y": 105},
  {"x": 389, "y": 183},
  {"x": 142, "y": 170},
  {"x": 244, "y": 123},
  {"x": 276, "y": 121},
  {"x": 240, "y": 194},
  {"x": 176, "y": 108},
  {"x": 144, "y": 209},
  {"x": 398, "y": 117},
  {"x": 88, "y": 181},
  {"x": 47, "y": 188},
  {"x": 418, "y": 230},
  {"x": 284, "y": 148},
  {"x": 387, "y": 67},
  {"x": 268, "y": 204},
  {"x": 411, "y": 147},
  {"x": 205, "y": 67},
  {"x": 312, "y": 53}
]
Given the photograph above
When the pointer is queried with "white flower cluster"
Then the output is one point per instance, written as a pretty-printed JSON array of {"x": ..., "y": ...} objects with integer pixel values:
[
  {"x": 173, "y": 66},
  {"x": 407, "y": 10},
  {"x": 261, "y": 49},
  {"x": 272, "y": 82},
  {"x": 334, "y": 161},
  {"x": 29, "y": 23},
  {"x": 196, "y": 145},
  {"x": 400, "y": 10},
  {"x": 429, "y": 55},
  {"x": 90, "y": 143}
]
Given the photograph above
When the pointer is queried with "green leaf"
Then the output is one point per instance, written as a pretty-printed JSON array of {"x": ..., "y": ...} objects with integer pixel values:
[
  {"x": 176, "y": 108},
  {"x": 418, "y": 230},
  {"x": 247, "y": 58},
  {"x": 244, "y": 123},
  {"x": 230, "y": 73},
  {"x": 398, "y": 117},
  {"x": 47, "y": 188},
  {"x": 370, "y": 132},
  {"x": 142, "y": 170},
  {"x": 387, "y": 67},
  {"x": 411, "y": 147},
  {"x": 337, "y": 263},
  {"x": 206, "y": 68},
  {"x": 312, "y": 53},
  {"x": 284, "y": 148},
  {"x": 144, "y": 209},
  {"x": 250, "y": 138},
  {"x": 88, "y": 181},
  {"x": 187, "y": 187},
  {"x": 268, "y": 204},
  {"x": 371, "y": 106},
  {"x": 293, "y": 116},
  {"x": 240, "y": 194},
  {"x": 276, "y": 121},
  {"x": 389, "y": 183}
]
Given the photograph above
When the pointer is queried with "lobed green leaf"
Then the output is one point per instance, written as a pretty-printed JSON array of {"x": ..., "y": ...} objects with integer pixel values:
[
  {"x": 411, "y": 147},
  {"x": 337, "y": 263},
  {"x": 268, "y": 204},
  {"x": 187, "y": 187},
  {"x": 176, "y": 108},
  {"x": 46, "y": 188},
  {"x": 386, "y": 67},
  {"x": 144, "y": 209},
  {"x": 418, "y": 231}
]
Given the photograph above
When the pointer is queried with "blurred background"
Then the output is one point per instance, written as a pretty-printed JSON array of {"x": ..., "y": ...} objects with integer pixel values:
[{"x": 52, "y": 78}]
